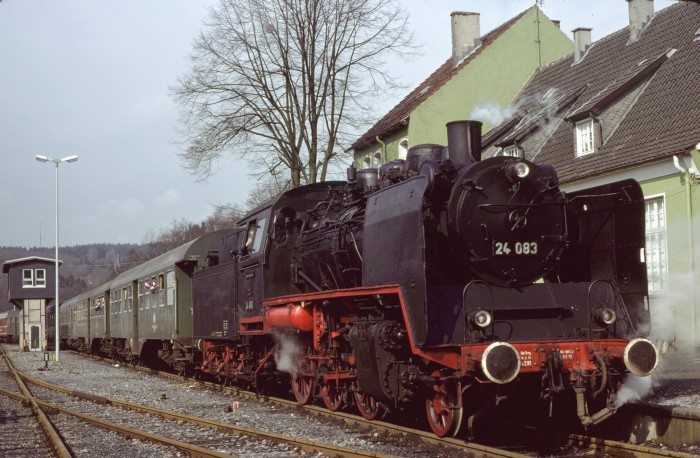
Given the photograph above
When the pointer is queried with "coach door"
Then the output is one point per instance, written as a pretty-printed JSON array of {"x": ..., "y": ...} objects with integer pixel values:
[{"x": 250, "y": 267}]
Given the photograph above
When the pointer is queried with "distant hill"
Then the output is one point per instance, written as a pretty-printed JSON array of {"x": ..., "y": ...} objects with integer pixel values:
[{"x": 84, "y": 266}]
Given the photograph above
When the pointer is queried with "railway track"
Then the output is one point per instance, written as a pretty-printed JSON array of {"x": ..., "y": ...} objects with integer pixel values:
[
  {"x": 577, "y": 445},
  {"x": 20, "y": 419},
  {"x": 199, "y": 437},
  {"x": 571, "y": 445}
]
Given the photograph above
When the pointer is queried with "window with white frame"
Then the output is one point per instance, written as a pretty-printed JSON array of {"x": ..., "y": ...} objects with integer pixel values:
[
  {"x": 403, "y": 148},
  {"x": 656, "y": 259},
  {"x": 585, "y": 138},
  {"x": 377, "y": 159},
  {"x": 366, "y": 162},
  {"x": 33, "y": 278},
  {"x": 40, "y": 278},
  {"x": 513, "y": 150}
]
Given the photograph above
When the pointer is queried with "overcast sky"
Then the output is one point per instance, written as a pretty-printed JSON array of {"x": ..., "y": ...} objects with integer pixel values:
[{"x": 92, "y": 78}]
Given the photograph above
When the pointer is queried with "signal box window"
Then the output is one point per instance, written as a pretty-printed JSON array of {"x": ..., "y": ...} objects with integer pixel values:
[{"x": 33, "y": 278}]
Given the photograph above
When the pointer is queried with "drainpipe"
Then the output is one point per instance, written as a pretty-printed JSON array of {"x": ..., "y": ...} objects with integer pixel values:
[
  {"x": 379, "y": 140},
  {"x": 688, "y": 177}
]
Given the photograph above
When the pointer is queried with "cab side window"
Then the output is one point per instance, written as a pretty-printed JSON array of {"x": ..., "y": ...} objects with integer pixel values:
[{"x": 254, "y": 236}]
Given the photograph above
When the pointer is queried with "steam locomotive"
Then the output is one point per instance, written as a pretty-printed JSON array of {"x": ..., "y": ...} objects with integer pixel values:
[{"x": 444, "y": 280}]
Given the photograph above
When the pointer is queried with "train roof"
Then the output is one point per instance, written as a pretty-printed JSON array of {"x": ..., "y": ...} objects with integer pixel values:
[
  {"x": 192, "y": 251},
  {"x": 85, "y": 295}
]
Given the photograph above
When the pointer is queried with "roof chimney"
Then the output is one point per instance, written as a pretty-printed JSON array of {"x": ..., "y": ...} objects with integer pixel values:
[
  {"x": 641, "y": 12},
  {"x": 582, "y": 41},
  {"x": 465, "y": 35}
]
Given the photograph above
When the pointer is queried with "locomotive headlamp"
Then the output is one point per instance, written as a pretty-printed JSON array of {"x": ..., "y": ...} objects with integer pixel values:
[
  {"x": 501, "y": 362},
  {"x": 480, "y": 318},
  {"x": 641, "y": 357},
  {"x": 517, "y": 170},
  {"x": 604, "y": 315}
]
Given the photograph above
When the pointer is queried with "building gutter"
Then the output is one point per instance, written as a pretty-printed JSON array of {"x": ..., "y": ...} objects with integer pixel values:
[
  {"x": 379, "y": 140},
  {"x": 689, "y": 176}
]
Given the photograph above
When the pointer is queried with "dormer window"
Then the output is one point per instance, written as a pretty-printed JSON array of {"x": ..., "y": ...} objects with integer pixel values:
[
  {"x": 585, "y": 137},
  {"x": 513, "y": 151}
]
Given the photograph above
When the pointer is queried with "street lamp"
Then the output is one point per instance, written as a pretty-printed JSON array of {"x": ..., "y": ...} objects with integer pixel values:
[{"x": 41, "y": 158}]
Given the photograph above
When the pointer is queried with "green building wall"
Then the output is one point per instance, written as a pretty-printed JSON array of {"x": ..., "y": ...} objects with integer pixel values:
[
  {"x": 493, "y": 77},
  {"x": 676, "y": 310}
]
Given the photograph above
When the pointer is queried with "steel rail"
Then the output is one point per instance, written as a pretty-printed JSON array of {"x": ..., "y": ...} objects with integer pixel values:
[
  {"x": 617, "y": 448},
  {"x": 351, "y": 419},
  {"x": 307, "y": 445},
  {"x": 51, "y": 434},
  {"x": 591, "y": 443}
]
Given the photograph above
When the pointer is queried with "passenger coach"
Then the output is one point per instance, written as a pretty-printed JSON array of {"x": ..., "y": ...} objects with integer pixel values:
[{"x": 143, "y": 314}]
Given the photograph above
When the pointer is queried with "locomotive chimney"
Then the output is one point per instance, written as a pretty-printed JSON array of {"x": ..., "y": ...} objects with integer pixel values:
[
  {"x": 465, "y": 35},
  {"x": 464, "y": 141}
]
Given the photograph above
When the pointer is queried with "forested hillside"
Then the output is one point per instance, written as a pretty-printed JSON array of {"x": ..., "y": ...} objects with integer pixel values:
[
  {"x": 83, "y": 267},
  {"x": 88, "y": 266}
]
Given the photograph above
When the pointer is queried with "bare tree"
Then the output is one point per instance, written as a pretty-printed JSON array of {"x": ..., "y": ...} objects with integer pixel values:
[{"x": 285, "y": 84}]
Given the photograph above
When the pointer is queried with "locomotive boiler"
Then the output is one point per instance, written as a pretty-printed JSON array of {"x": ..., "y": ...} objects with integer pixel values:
[{"x": 445, "y": 279}]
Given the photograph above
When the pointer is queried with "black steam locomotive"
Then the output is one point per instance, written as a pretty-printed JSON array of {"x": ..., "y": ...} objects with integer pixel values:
[{"x": 443, "y": 279}]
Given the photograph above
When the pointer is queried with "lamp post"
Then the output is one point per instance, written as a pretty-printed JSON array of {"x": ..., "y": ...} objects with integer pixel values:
[{"x": 41, "y": 158}]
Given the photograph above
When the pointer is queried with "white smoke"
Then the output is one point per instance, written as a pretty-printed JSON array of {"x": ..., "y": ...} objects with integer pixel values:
[
  {"x": 288, "y": 352},
  {"x": 543, "y": 111},
  {"x": 492, "y": 113},
  {"x": 633, "y": 389}
]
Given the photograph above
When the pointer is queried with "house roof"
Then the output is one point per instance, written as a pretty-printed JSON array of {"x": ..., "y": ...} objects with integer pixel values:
[
  {"x": 655, "y": 75},
  {"x": 398, "y": 116},
  {"x": 8, "y": 264}
]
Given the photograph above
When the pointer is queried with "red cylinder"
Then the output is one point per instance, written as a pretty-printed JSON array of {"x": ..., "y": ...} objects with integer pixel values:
[{"x": 290, "y": 316}]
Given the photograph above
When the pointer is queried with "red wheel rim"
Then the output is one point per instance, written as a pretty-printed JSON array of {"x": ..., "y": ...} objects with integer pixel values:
[
  {"x": 332, "y": 396},
  {"x": 368, "y": 406},
  {"x": 303, "y": 388},
  {"x": 443, "y": 412}
]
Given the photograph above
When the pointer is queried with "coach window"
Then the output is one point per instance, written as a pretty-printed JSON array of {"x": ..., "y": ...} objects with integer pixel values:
[
  {"x": 125, "y": 299},
  {"x": 140, "y": 293},
  {"x": 161, "y": 290},
  {"x": 170, "y": 287}
]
